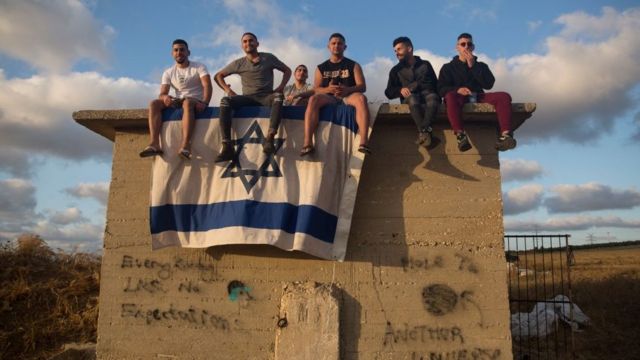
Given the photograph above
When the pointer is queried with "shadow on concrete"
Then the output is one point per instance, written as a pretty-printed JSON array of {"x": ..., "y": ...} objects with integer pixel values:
[{"x": 350, "y": 314}]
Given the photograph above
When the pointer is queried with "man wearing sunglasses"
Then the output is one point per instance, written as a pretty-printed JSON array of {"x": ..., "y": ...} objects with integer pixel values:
[
  {"x": 463, "y": 80},
  {"x": 414, "y": 81}
]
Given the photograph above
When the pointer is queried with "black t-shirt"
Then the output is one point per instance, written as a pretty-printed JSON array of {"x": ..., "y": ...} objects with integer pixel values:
[{"x": 340, "y": 73}]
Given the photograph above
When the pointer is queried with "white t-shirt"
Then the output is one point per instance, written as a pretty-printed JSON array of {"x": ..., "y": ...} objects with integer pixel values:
[{"x": 186, "y": 81}]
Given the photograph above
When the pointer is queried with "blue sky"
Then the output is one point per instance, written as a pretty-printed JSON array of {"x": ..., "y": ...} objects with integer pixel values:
[{"x": 575, "y": 170}]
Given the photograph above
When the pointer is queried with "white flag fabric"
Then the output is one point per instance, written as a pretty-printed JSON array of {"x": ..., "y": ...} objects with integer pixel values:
[{"x": 282, "y": 199}]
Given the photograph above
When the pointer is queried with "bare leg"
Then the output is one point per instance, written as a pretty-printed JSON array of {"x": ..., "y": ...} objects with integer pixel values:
[
  {"x": 359, "y": 101},
  {"x": 188, "y": 120},
  {"x": 155, "y": 122},
  {"x": 311, "y": 115}
]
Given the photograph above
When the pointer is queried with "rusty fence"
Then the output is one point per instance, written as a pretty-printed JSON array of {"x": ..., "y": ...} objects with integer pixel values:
[{"x": 539, "y": 296}]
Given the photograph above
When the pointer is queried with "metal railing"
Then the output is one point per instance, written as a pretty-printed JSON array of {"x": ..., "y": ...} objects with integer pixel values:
[{"x": 540, "y": 295}]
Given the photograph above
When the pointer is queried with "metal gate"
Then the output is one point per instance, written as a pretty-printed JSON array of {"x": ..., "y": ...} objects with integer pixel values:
[{"x": 539, "y": 295}]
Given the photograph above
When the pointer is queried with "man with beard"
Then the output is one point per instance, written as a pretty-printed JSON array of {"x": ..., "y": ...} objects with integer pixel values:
[
  {"x": 414, "y": 81},
  {"x": 339, "y": 80},
  {"x": 256, "y": 74},
  {"x": 192, "y": 85}
]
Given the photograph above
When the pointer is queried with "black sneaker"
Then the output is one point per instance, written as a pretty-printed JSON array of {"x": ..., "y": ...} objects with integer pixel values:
[
  {"x": 226, "y": 153},
  {"x": 424, "y": 138},
  {"x": 505, "y": 142},
  {"x": 463, "y": 142},
  {"x": 268, "y": 147}
]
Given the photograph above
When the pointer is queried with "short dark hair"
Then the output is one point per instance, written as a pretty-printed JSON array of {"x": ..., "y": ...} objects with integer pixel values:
[
  {"x": 465, "y": 36},
  {"x": 180, "y": 41},
  {"x": 302, "y": 66},
  {"x": 250, "y": 34},
  {"x": 404, "y": 40},
  {"x": 338, "y": 35}
]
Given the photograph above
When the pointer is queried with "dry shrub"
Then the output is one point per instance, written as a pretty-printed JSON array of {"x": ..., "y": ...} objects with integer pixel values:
[{"x": 47, "y": 298}]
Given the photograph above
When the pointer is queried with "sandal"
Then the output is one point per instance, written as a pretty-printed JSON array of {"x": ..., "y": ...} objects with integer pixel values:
[
  {"x": 150, "y": 151},
  {"x": 363, "y": 148},
  {"x": 185, "y": 154},
  {"x": 307, "y": 150}
]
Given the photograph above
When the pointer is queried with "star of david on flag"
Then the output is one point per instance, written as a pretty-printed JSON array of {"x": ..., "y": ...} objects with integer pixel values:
[{"x": 278, "y": 199}]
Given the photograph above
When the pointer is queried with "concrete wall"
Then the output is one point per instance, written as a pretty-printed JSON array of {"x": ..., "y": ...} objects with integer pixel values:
[{"x": 424, "y": 276}]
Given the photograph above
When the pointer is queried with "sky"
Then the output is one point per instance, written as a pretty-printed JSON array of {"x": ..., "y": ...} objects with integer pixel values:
[{"x": 576, "y": 169}]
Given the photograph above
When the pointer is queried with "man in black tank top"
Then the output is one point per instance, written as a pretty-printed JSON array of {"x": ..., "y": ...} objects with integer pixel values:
[{"x": 337, "y": 80}]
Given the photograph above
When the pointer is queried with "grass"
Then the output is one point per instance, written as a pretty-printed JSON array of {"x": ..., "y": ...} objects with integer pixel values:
[
  {"x": 605, "y": 284},
  {"x": 47, "y": 298},
  {"x": 50, "y": 298}
]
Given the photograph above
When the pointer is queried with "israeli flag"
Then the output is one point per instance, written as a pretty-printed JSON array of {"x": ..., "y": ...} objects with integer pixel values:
[{"x": 280, "y": 199}]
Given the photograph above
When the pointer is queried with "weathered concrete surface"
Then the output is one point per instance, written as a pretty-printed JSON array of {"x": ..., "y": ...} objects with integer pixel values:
[
  {"x": 309, "y": 324},
  {"x": 424, "y": 275}
]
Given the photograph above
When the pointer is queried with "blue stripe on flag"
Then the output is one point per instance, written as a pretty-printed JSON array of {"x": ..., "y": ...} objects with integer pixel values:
[
  {"x": 306, "y": 219},
  {"x": 342, "y": 115}
]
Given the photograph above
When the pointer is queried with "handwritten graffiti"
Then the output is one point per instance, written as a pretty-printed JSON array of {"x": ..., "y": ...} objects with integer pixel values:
[
  {"x": 466, "y": 264},
  {"x": 188, "y": 287},
  {"x": 460, "y": 354},
  {"x": 238, "y": 291},
  {"x": 191, "y": 315},
  {"x": 422, "y": 333},
  {"x": 165, "y": 270},
  {"x": 151, "y": 286},
  {"x": 421, "y": 264},
  {"x": 440, "y": 299}
]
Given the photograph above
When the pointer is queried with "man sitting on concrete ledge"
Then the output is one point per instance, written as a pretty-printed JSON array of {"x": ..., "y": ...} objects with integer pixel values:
[
  {"x": 338, "y": 80},
  {"x": 297, "y": 94},
  {"x": 256, "y": 73},
  {"x": 192, "y": 85},
  {"x": 463, "y": 80},
  {"x": 414, "y": 81}
]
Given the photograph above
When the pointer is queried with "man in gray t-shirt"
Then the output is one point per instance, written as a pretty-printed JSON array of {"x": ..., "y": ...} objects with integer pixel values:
[{"x": 256, "y": 74}]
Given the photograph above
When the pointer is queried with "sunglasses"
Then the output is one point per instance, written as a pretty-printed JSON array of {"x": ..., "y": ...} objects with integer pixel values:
[{"x": 466, "y": 44}]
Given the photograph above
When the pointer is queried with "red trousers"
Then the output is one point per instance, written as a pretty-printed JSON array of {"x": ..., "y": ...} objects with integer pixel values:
[{"x": 500, "y": 100}]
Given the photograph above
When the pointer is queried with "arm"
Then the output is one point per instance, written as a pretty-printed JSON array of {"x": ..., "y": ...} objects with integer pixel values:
[
  {"x": 483, "y": 75},
  {"x": 219, "y": 79},
  {"x": 317, "y": 82},
  {"x": 164, "y": 94},
  {"x": 426, "y": 79},
  {"x": 206, "y": 93},
  {"x": 445, "y": 81},
  {"x": 286, "y": 75},
  {"x": 393, "y": 85}
]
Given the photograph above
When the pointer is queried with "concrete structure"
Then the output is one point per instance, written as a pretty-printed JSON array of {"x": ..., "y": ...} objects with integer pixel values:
[{"x": 424, "y": 277}]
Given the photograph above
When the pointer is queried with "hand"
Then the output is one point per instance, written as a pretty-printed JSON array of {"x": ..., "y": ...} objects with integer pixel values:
[
  {"x": 167, "y": 100},
  {"x": 405, "y": 92},
  {"x": 290, "y": 98},
  {"x": 464, "y": 91},
  {"x": 231, "y": 92},
  {"x": 339, "y": 90},
  {"x": 468, "y": 57},
  {"x": 200, "y": 106}
]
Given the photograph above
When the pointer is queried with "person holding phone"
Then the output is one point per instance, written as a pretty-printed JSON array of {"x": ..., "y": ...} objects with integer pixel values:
[{"x": 464, "y": 80}]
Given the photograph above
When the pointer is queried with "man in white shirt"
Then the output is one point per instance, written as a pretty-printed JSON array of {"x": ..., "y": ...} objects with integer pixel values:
[{"x": 191, "y": 83}]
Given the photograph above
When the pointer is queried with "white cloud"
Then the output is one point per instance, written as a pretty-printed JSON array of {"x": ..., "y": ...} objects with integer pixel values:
[
  {"x": 590, "y": 196},
  {"x": 534, "y": 25},
  {"x": 578, "y": 95},
  {"x": 522, "y": 199},
  {"x": 98, "y": 191},
  {"x": 570, "y": 223},
  {"x": 52, "y": 35},
  {"x": 35, "y": 114},
  {"x": 17, "y": 197},
  {"x": 519, "y": 170},
  {"x": 86, "y": 237},
  {"x": 67, "y": 216}
]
